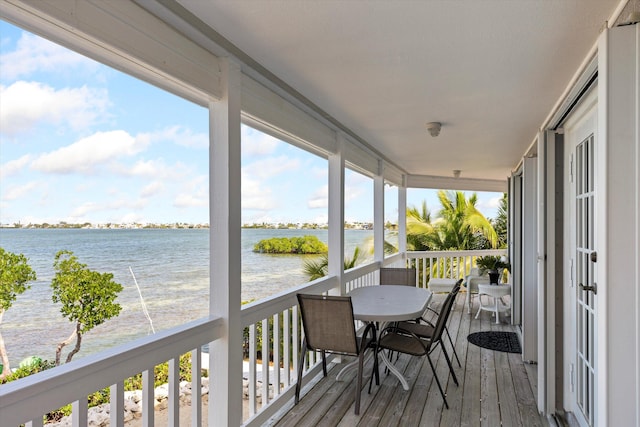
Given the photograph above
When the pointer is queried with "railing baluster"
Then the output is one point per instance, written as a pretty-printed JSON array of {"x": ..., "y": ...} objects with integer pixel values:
[
  {"x": 265, "y": 362},
  {"x": 276, "y": 354},
  {"x": 37, "y": 422},
  {"x": 287, "y": 338},
  {"x": 148, "y": 398},
  {"x": 196, "y": 386},
  {"x": 116, "y": 413},
  {"x": 253, "y": 360},
  {"x": 295, "y": 318},
  {"x": 173, "y": 402},
  {"x": 79, "y": 413}
]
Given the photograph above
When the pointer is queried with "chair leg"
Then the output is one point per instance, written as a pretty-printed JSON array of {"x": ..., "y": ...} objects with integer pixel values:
[
  {"x": 433, "y": 369},
  {"x": 452, "y": 346},
  {"x": 376, "y": 369},
  {"x": 359, "y": 382},
  {"x": 446, "y": 356},
  {"x": 303, "y": 354},
  {"x": 324, "y": 363}
]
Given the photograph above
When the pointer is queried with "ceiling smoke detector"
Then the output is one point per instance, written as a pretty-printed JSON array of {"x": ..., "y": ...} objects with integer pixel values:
[{"x": 434, "y": 128}]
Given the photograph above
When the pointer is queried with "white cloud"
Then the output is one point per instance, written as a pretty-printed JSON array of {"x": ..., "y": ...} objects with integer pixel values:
[
  {"x": 13, "y": 167},
  {"x": 35, "y": 54},
  {"x": 272, "y": 166},
  {"x": 152, "y": 189},
  {"x": 193, "y": 194},
  {"x": 86, "y": 208},
  {"x": 180, "y": 136},
  {"x": 320, "y": 198},
  {"x": 352, "y": 192},
  {"x": 16, "y": 192},
  {"x": 150, "y": 168},
  {"x": 254, "y": 195},
  {"x": 130, "y": 218},
  {"x": 81, "y": 211},
  {"x": 256, "y": 143},
  {"x": 89, "y": 153},
  {"x": 24, "y": 105},
  {"x": 189, "y": 200}
]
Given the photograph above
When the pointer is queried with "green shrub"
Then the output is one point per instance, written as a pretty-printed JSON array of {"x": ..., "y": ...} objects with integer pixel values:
[
  {"x": 291, "y": 245},
  {"x": 38, "y": 365}
]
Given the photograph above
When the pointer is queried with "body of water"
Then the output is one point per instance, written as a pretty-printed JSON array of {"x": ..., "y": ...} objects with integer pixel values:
[{"x": 172, "y": 270}]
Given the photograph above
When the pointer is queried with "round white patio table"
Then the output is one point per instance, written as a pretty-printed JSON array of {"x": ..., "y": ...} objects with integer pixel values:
[
  {"x": 389, "y": 303},
  {"x": 384, "y": 304},
  {"x": 496, "y": 292}
]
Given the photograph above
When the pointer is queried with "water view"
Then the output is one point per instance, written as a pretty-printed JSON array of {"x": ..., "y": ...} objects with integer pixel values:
[{"x": 171, "y": 267}]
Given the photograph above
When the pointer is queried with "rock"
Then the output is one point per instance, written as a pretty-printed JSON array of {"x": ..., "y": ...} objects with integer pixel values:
[
  {"x": 162, "y": 392},
  {"x": 131, "y": 406},
  {"x": 135, "y": 395}
]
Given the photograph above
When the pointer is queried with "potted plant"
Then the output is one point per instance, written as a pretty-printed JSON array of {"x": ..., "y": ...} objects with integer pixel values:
[{"x": 493, "y": 265}]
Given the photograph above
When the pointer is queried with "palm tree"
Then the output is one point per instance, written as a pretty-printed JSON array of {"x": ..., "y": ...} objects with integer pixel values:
[
  {"x": 460, "y": 225},
  {"x": 317, "y": 268},
  {"x": 419, "y": 228},
  {"x": 500, "y": 223}
]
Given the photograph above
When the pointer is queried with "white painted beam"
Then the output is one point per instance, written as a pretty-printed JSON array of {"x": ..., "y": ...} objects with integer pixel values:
[
  {"x": 336, "y": 212},
  {"x": 451, "y": 183},
  {"x": 225, "y": 400}
]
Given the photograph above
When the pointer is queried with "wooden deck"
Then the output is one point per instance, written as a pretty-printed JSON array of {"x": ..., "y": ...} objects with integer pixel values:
[{"x": 495, "y": 388}]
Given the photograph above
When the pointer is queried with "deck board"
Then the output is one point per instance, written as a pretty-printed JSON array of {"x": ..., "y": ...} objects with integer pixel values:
[{"x": 494, "y": 388}]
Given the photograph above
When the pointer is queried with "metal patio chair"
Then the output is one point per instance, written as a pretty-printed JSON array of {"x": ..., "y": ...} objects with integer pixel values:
[
  {"x": 400, "y": 340},
  {"x": 426, "y": 328},
  {"x": 398, "y": 276},
  {"x": 329, "y": 327}
]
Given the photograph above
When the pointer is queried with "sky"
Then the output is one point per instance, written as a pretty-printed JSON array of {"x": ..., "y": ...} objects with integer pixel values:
[{"x": 82, "y": 142}]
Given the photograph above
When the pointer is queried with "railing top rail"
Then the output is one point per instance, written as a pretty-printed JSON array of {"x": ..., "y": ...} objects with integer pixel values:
[
  {"x": 436, "y": 254},
  {"x": 258, "y": 310}
]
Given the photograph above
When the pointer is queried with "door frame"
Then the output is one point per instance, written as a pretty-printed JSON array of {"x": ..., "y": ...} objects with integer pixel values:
[{"x": 585, "y": 110}]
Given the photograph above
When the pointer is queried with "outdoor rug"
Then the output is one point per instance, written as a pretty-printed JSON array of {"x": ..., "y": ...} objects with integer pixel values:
[{"x": 496, "y": 340}]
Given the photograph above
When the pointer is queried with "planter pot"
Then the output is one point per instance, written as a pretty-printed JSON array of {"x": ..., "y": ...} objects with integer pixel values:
[{"x": 493, "y": 276}]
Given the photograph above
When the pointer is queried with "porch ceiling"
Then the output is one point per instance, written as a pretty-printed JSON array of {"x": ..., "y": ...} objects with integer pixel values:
[{"x": 490, "y": 71}]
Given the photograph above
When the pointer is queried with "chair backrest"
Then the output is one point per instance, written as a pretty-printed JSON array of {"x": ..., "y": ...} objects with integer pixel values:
[
  {"x": 447, "y": 305},
  {"x": 472, "y": 280},
  {"x": 328, "y": 323},
  {"x": 398, "y": 276}
]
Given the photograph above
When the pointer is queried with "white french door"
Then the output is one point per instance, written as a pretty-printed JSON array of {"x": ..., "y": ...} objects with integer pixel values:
[{"x": 581, "y": 255}]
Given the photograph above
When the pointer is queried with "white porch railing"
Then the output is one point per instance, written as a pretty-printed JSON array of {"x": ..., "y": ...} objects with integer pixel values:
[
  {"x": 450, "y": 264},
  {"x": 29, "y": 399},
  {"x": 269, "y": 387}
]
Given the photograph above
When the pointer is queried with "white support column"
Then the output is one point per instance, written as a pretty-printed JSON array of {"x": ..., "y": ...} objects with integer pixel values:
[
  {"x": 336, "y": 212},
  {"x": 378, "y": 215},
  {"x": 402, "y": 217},
  {"x": 618, "y": 228},
  {"x": 225, "y": 394}
]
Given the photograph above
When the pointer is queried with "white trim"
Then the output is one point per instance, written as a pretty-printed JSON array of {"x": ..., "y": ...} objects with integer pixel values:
[
  {"x": 360, "y": 159},
  {"x": 601, "y": 202},
  {"x": 529, "y": 260},
  {"x": 378, "y": 217},
  {"x": 392, "y": 174},
  {"x": 545, "y": 316},
  {"x": 402, "y": 219},
  {"x": 451, "y": 183},
  {"x": 336, "y": 213},
  {"x": 583, "y": 112},
  {"x": 637, "y": 197},
  {"x": 225, "y": 402},
  {"x": 265, "y": 106}
]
